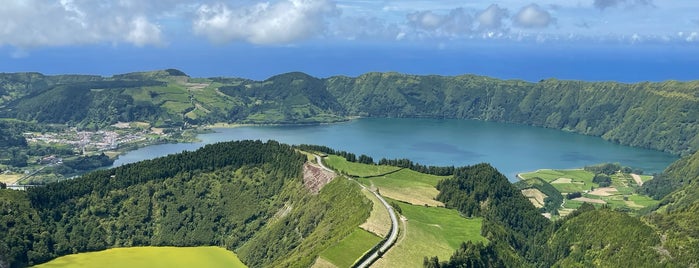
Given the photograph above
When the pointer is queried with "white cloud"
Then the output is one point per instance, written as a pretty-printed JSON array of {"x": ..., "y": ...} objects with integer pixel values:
[
  {"x": 143, "y": 32},
  {"x": 281, "y": 22},
  {"x": 26, "y": 24},
  {"x": 533, "y": 16},
  {"x": 426, "y": 20},
  {"x": 491, "y": 18}
]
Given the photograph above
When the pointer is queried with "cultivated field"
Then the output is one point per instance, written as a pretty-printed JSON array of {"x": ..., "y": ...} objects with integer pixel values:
[
  {"x": 150, "y": 257},
  {"x": 429, "y": 231},
  {"x": 535, "y": 196},
  {"x": 408, "y": 186},
  {"x": 357, "y": 169},
  {"x": 620, "y": 194}
]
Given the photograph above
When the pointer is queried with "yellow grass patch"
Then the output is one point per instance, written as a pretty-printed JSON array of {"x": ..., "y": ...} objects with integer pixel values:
[
  {"x": 562, "y": 181},
  {"x": 604, "y": 191},
  {"x": 535, "y": 196},
  {"x": 565, "y": 211},
  {"x": 426, "y": 196},
  {"x": 378, "y": 222},
  {"x": 590, "y": 200},
  {"x": 10, "y": 178}
]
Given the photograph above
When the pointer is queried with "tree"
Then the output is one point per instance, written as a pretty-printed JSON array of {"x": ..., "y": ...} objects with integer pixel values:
[
  {"x": 602, "y": 179},
  {"x": 3, "y": 185}
]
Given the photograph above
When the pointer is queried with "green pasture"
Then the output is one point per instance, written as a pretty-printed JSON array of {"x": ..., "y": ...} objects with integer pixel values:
[
  {"x": 341, "y": 165},
  {"x": 430, "y": 231},
  {"x": 408, "y": 186},
  {"x": 150, "y": 257},
  {"x": 351, "y": 248}
]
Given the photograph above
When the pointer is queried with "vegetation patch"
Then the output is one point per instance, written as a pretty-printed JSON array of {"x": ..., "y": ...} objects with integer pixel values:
[
  {"x": 430, "y": 231},
  {"x": 408, "y": 186},
  {"x": 351, "y": 248},
  {"x": 579, "y": 186},
  {"x": 341, "y": 165},
  {"x": 150, "y": 257}
]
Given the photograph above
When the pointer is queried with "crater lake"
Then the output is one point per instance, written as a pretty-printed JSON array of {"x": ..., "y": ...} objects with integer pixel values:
[{"x": 510, "y": 148}]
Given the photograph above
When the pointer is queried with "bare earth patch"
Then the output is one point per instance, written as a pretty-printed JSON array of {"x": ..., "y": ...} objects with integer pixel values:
[
  {"x": 590, "y": 200},
  {"x": 604, "y": 191},
  {"x": 535, "y": 196},
  {"x": 562, "y": 180},
  {"x": 637, "y": 178},
  {"x": 315, "y": 177}
]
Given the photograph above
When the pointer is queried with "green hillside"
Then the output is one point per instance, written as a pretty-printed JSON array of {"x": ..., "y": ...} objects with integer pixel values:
[
  {"x": 660, "y": 116},
  {"x": 228, "y": 195}
]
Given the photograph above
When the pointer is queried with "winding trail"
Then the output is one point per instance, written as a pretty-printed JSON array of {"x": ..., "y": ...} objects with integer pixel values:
[{"x": 392, "y": 236}]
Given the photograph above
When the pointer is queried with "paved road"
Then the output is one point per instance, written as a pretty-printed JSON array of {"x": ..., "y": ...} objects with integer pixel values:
[
  {"x": 392, "y": 237},
  {"x": 320, "y": 162}
]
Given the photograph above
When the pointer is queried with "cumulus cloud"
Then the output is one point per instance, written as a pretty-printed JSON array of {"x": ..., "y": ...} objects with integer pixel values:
[
  {"x": 491, "y": 18},
  {"x": 264, "y": 23},
  {"x": 533, "y": 16},
  {"x": 34, "y": 23},
  {"x": 604, "y": 4},
  {"x": 457, "y": 21}
]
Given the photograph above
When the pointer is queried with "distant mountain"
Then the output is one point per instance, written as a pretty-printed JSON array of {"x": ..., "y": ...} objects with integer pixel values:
[{"x": 661, "y": 116}]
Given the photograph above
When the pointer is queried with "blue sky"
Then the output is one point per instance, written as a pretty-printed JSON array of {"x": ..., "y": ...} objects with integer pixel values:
[{"x": 626, "y": 40}]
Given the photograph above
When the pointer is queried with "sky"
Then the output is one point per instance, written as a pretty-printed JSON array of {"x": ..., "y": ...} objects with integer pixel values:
[{"x": 623, "y": 40}]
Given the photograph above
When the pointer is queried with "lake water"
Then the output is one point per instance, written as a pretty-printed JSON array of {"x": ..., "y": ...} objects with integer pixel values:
[{"x": 510, "y": 148}]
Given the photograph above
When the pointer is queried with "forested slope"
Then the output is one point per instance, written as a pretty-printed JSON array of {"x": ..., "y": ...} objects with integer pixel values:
[
  {"x": 660, "y": 116},
  {"x": 227, "y": 195}
]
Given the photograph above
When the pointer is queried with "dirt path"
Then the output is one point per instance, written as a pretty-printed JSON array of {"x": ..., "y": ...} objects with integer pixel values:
[{"x": 637, "y": 179}]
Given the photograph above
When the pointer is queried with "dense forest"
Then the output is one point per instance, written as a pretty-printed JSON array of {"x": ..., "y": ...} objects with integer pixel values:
[
  {"x": 520, "y": 237},
  {"x": 227, "y": 194},
  {"x": 661, "y": 116}
]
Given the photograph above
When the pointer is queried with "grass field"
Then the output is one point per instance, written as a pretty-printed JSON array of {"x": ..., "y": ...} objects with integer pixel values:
[
  {"x": 407, "y": 186},
  {"x": 341, "y": 165},
  {"x": 150, "y": 257},
  {"x": 10, "y": 179},
  {"x": 379, "y": 222},
  {"x": 347, "y": 251},
  {"x": 430, "y": 231},
  {"x": 580, "y": 180}
]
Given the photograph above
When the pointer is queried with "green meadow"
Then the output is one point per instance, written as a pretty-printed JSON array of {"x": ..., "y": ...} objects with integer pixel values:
[
  {"x": 408, "y": 186},
  {"x": 341, "y": 165},
  {"x": 430, "y": 231},
  {"x": 150, "y": 257},
  {"x": 351, "y": 248}
]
